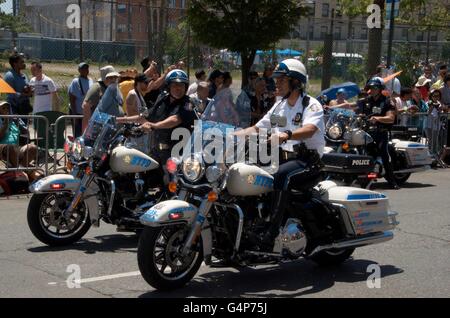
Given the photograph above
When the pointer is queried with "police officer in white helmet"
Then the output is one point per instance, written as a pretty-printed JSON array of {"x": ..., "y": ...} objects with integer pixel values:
[{"x": 301, "y": 140}]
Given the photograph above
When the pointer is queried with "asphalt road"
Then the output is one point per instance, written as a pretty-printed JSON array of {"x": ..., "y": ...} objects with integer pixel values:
[{"x": 415, "y": 264}]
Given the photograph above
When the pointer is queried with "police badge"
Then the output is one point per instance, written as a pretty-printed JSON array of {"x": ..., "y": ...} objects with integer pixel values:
[{"x": 297, "y": 119}]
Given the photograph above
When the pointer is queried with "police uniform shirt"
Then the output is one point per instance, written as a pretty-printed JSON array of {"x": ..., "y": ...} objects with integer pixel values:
[
  {"x": 163, "y": 109},
  {"x": 383, "y": 102},
  {"x": 298, "y": 117}
]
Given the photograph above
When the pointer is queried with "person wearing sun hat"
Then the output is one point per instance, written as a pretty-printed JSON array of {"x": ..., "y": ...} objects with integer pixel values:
[
  {"x": 423, "y": 85},
  {"x": 108, "y": 75}
]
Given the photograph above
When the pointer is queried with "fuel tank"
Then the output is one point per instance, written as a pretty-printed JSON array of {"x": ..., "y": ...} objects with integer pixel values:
[
  {"x": 246, "y": 180},
  {"x": 129, "y": 160}
]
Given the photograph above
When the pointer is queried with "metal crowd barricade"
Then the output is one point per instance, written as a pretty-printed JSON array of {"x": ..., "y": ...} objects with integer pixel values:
[
  {"x": 66, "y": 120},
  {"x": 433, "y": 128},
  {"x": 22, "y": 138}
]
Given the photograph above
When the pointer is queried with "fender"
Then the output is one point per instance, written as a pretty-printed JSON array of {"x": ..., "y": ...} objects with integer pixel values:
[
  {"x": 175, "y": 212},
  {"x": 56, "y": 183},
  {"x": 170, "y": 212},
  {"x": 68, "y": 183}
]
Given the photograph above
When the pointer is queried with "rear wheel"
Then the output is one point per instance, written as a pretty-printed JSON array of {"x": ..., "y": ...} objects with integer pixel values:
[
  {"x": 160, "y": 259},
  {"x": 401, "y": 178},
  {"x": 332, "y": 257}
]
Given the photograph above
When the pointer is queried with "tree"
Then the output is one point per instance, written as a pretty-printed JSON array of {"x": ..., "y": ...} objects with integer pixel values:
[
  {"x": 353, "y": 9},
  {"x": 243, "y": 26},
  {"x": 14, "y": 23}
]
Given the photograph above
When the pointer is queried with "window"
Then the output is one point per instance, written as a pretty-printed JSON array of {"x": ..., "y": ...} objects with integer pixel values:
[
  {"x": 323, "y": 31},
  {"x": 363, "y": 33},
  {"x": 337, "y": 33},
  {"x": 405, "y": 33},
  {"x": 172, "y": 3},
  {"x": 121, "y": 28},
  {"x": 433, "y": 36},
  {"x": 121, "y": 8},
  {"x": 419, "y": 36},
  {"x": 183, "y": 4},
  {"x": 311, "y": 32},
  {"x": 325, "y": 10}
]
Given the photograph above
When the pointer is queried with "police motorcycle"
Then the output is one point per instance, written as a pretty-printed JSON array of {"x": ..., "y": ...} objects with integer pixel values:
[
  {"x": 109, "y": 181},
  {"x": 222, "y": 205},
  {"x": 344, "y": 158},
  {"x": 353, "y": 153}
]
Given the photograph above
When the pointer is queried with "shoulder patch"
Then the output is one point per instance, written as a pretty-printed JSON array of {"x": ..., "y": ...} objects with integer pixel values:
[{"x": 315, "y": 108}]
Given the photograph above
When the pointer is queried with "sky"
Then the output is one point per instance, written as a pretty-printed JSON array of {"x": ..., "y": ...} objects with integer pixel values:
[{"x": 7, "y": 6}]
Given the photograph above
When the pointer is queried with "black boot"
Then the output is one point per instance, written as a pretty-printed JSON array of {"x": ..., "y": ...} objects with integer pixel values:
[{"x": 279, "y": 201}]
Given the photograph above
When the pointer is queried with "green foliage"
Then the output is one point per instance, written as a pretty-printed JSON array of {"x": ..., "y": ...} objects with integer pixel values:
[
  {"x": 175, "y": 45},
  {"x": 14, "y": 23},
  {"x": 242, "y": 25},
  {"x": 406, "y": 58},
  {"x": 356, "y": 73}
]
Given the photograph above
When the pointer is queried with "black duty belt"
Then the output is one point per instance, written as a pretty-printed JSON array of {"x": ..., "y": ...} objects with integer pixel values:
[{"x": 288, "y": 155}]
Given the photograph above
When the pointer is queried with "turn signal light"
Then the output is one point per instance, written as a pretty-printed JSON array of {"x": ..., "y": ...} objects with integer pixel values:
[
  {"x": 172, "y": 166},
  {"x": 212, "y": 196},
  {"x": 173, "y": 187},
  {"x": 346, "y": 147}
]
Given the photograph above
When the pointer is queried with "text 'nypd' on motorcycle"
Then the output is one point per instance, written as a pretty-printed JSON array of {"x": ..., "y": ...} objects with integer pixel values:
[
  {"x": 109, "y": 181},
  {"x": 222, "y": 208},
  {"x": 352, "y": 155}
]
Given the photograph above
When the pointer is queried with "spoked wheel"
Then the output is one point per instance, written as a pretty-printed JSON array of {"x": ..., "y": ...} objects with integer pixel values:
[
  {"x": 160, "y": 257},
  {"x": 48, "y": 223}
]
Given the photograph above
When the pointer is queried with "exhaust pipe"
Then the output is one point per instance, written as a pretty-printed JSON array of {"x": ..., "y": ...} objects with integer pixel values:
[{"x": 358, "y": 242}]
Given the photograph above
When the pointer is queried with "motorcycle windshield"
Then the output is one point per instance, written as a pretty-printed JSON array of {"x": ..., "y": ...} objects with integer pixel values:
[
  {"x": 100, "y": 129},
  {"x": 342, "y": 116},
  {"x": 213, "y": 138}
]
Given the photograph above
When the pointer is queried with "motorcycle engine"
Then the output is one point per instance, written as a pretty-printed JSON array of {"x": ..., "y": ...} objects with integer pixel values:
[{"x": 292, "y": 239}]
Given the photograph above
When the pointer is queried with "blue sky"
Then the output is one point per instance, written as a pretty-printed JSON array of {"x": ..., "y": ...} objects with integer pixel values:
[{"x": 7, "y": 6}]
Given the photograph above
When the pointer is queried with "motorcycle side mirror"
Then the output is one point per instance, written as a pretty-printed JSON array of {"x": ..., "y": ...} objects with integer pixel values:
[{"x": 278, "y": 121}]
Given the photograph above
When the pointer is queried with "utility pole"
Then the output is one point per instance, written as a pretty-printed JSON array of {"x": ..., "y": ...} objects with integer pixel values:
[
  {"x": 81, "y": 31},
  {"x": 328, "y": 56},
  {"x": 391, "y": 33},
  {"x": 428, "y": 45}
]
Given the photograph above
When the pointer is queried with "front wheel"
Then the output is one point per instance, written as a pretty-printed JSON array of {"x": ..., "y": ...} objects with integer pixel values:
[
  {"x": 332, "y": 257},
  {"x": 160, "y": 260},
  {"x": 47, "y": 222}
]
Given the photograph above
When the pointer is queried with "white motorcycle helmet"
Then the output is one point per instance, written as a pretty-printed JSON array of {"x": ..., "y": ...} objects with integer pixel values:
[{"x": 295, "y": 70}]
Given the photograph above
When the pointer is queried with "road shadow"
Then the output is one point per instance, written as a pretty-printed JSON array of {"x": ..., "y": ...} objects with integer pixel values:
[
  {"x": 408, "y": 185},
  {"x": 288, "y": 280},
  {"x": 105, "y": 243}
]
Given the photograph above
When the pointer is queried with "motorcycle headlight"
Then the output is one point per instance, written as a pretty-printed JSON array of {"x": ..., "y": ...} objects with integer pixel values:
[
  {"x": 214, "y": 173},
  {"x": 193, "y": 169},
  {"x": 80, "y": 150},
  {"x": 335, "y": 132}
]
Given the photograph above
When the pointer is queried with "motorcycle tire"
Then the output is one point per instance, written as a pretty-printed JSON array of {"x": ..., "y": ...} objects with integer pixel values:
[
  {"x": 402, "y": 178},
  {"x": 147, "y": 261},
  {"x": 45, "y": 236},
  {"x": 331, "y": 257}
]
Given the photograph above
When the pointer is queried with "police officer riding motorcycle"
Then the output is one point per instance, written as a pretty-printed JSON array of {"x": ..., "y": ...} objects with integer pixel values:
[
  {"x": 301, "y": 140},
  {"x": 173, "y": 109},
  {"x": 382, "y": 114}
]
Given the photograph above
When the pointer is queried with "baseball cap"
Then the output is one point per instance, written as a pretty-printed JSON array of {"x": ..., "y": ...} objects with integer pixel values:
[{"x": 83, "y": 65}]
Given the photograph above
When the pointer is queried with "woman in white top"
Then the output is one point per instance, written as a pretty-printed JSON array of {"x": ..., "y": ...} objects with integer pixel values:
[
  {"x": 136, "y": 105},
  {"x": 135, "y": 99}
]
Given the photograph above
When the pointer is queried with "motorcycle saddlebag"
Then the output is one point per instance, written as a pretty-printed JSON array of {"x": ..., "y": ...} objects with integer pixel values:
[{"x": 347, "y": 163}]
